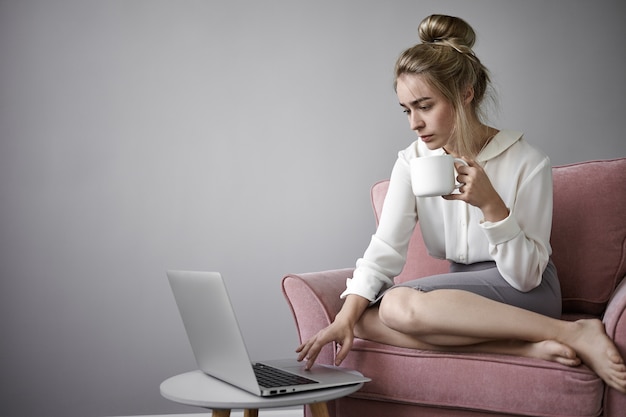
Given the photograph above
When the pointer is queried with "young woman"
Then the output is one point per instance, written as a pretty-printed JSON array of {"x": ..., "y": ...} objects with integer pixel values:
[{"x": 502, "y": 294}]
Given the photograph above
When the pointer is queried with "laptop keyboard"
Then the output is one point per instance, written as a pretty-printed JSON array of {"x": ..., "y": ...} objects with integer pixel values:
[{"x": 269, "y": 377}]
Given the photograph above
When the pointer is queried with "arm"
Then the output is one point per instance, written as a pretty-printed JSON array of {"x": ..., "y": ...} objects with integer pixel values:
[
  {"x": 382, "y": 262},
  {"x": 520, "y": 244},
  {"x": 516, "y": 202},
  {"x": 385, "y": 256}
]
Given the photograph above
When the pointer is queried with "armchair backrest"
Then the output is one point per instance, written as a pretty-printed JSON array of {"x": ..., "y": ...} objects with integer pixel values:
[{"x": 588, "y": 234}]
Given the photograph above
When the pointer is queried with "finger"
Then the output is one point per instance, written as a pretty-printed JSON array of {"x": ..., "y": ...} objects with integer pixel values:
[
  {"x": 301, "y": 354},
  {"x": 460, "y": 168},
  {"x": 303, "y": 350},
  {"x": 344, "y": 349},
  {"x": 452, "y": 197},
  {"x": 311, "y": 360},
  {"x": 311, "y": 355}
]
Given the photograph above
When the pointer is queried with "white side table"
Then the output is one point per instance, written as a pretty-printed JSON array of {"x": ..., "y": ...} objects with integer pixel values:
[{"x": 199, "y": 389}]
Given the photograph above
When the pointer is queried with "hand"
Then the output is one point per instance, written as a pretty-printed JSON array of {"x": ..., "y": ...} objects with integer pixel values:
[
  {"x": 478, "y": 191},
  {"x": 338, "y": 331}
]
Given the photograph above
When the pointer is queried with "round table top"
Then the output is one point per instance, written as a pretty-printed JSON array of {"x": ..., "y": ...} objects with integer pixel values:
[{"x": 199, "y": 389}]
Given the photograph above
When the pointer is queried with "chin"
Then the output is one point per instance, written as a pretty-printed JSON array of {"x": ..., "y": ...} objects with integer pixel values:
[{"x": 433, "y": 146}]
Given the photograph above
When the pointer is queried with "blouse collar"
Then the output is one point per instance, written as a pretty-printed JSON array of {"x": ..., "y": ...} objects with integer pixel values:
[{"x": 502, "y": 141}]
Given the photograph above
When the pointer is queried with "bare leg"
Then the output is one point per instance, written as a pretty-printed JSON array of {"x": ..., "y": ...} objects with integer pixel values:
[
  {"x": 371, "y": 328},
  {"x": 548, "y": 350},
  {"x": 456, "y": 318}
]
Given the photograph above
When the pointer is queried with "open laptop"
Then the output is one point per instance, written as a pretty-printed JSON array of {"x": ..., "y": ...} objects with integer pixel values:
[{"x": 219, "y": 347}]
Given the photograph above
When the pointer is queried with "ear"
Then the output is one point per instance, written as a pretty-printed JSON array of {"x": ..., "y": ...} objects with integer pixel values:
[{"x": 469, "y": 95}]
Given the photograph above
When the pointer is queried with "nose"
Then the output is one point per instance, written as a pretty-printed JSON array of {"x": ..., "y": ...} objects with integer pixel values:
[{"x": 415, "y": 121}]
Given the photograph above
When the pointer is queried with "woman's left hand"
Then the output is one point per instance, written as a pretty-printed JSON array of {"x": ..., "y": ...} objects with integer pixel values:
[{"x": 477, "y": 190}]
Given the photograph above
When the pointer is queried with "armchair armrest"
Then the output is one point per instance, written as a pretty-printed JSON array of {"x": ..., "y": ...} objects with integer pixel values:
[
  {"x": 314, "y": 301},
  {"x": 615, "y": 323}
]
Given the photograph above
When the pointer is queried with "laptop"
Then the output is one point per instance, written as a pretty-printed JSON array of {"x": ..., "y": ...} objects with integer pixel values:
[{"x": 220, "y": 350}]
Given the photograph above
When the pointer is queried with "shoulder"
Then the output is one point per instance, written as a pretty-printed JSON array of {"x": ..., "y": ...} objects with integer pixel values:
[
  {"x": 511, "y": 154},
  {"x": 512, "y": 147}
]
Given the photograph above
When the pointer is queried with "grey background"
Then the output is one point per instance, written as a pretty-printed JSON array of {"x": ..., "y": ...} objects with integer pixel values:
[{"x": 239, "y": 136}]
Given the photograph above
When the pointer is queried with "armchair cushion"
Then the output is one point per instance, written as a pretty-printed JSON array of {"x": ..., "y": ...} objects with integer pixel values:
[{"x": 494, "y": 383}]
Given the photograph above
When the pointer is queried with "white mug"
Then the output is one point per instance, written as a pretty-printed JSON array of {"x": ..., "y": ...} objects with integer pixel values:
[{"x": 434, "y": 175}]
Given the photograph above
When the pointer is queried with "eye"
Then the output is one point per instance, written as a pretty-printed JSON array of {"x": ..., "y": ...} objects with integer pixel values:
[
  {"x": 426, "y": 107},
  {"x": 406, "y": 111}
]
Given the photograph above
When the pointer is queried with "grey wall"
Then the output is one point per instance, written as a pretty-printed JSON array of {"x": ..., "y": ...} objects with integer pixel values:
[{"x": 239, "y": 136}]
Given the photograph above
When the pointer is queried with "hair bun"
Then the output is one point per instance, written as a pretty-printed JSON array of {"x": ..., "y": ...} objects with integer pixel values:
[{"x": 447, "y": 28}]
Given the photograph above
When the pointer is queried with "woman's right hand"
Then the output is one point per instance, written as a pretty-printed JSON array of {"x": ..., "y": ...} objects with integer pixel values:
[{"x": 340, "y": 331}]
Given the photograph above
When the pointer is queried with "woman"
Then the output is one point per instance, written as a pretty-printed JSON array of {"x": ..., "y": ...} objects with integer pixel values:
[{"x": 502, "y": 293}]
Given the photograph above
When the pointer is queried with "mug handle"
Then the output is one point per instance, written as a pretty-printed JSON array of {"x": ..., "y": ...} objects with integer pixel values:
[{"x": 458, "y": 185}]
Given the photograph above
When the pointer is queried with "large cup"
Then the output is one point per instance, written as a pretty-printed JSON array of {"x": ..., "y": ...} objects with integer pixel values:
[{"x": 434, "y": 175}]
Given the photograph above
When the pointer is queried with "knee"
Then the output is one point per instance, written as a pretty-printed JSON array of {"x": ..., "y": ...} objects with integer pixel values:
[{"x": 399, "y": 310}]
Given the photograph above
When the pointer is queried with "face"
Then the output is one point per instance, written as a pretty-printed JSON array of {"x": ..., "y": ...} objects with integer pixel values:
[{"x": 430, "y": 115}]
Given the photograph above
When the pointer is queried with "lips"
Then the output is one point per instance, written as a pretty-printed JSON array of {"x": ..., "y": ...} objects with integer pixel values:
[{"x": 426, "y": 138}]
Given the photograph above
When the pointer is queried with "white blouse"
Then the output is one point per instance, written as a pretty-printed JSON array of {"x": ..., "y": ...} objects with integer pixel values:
[{"x": 455, "y": 230}]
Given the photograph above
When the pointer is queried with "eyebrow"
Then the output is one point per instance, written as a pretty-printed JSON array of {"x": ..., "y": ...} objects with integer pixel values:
[{"x": 416, "y": 102}]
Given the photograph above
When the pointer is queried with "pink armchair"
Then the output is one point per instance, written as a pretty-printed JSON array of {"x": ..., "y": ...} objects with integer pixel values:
[{"x": 589, "y": 250}]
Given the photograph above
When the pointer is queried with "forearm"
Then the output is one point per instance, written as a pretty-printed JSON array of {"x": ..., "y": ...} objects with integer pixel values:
[{"x": 352, "y": 310}]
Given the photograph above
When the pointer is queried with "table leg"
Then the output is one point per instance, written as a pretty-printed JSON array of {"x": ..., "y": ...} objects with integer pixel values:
[
  {"x": 220, "y": 413},
  {"x": 319, "y": 409},
  {"x": 251, "y": 412}
]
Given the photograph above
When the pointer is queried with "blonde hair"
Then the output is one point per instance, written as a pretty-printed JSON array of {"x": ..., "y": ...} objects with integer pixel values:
[{"x": 446, "y": 61}]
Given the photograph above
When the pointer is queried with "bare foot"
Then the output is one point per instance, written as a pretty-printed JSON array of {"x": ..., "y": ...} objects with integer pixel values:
[
  {"x": 598, "y": 352},
  {"x": 550, "y": 350}
]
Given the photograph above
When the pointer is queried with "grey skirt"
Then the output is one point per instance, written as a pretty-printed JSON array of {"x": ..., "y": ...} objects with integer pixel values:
[{"x": 484, "y": 279}]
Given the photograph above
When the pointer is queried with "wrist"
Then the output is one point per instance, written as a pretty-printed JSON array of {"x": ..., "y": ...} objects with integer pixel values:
[
  {"x": 352, "y": 310},
  {"x": 495, "y": 212}
]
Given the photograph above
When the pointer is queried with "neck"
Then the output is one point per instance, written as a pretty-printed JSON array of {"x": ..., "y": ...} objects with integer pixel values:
[
  {"x": 481, "y": 136},
  {"x": 487, "y": 134}
]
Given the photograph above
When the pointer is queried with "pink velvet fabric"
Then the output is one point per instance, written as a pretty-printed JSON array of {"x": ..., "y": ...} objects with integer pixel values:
[
  {"x": 495, "y": 383},
  {"x": 588, "y": 238},
  {"x": 589, "y": 232}
]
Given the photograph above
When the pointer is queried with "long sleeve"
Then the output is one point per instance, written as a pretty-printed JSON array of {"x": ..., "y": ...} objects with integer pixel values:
[
  {"x": 385, "y": 256},
  {"x": 520, "y": 243}
]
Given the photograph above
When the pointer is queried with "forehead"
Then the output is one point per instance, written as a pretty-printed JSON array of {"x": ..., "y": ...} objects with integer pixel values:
[{"x": 412, "y": 87}]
